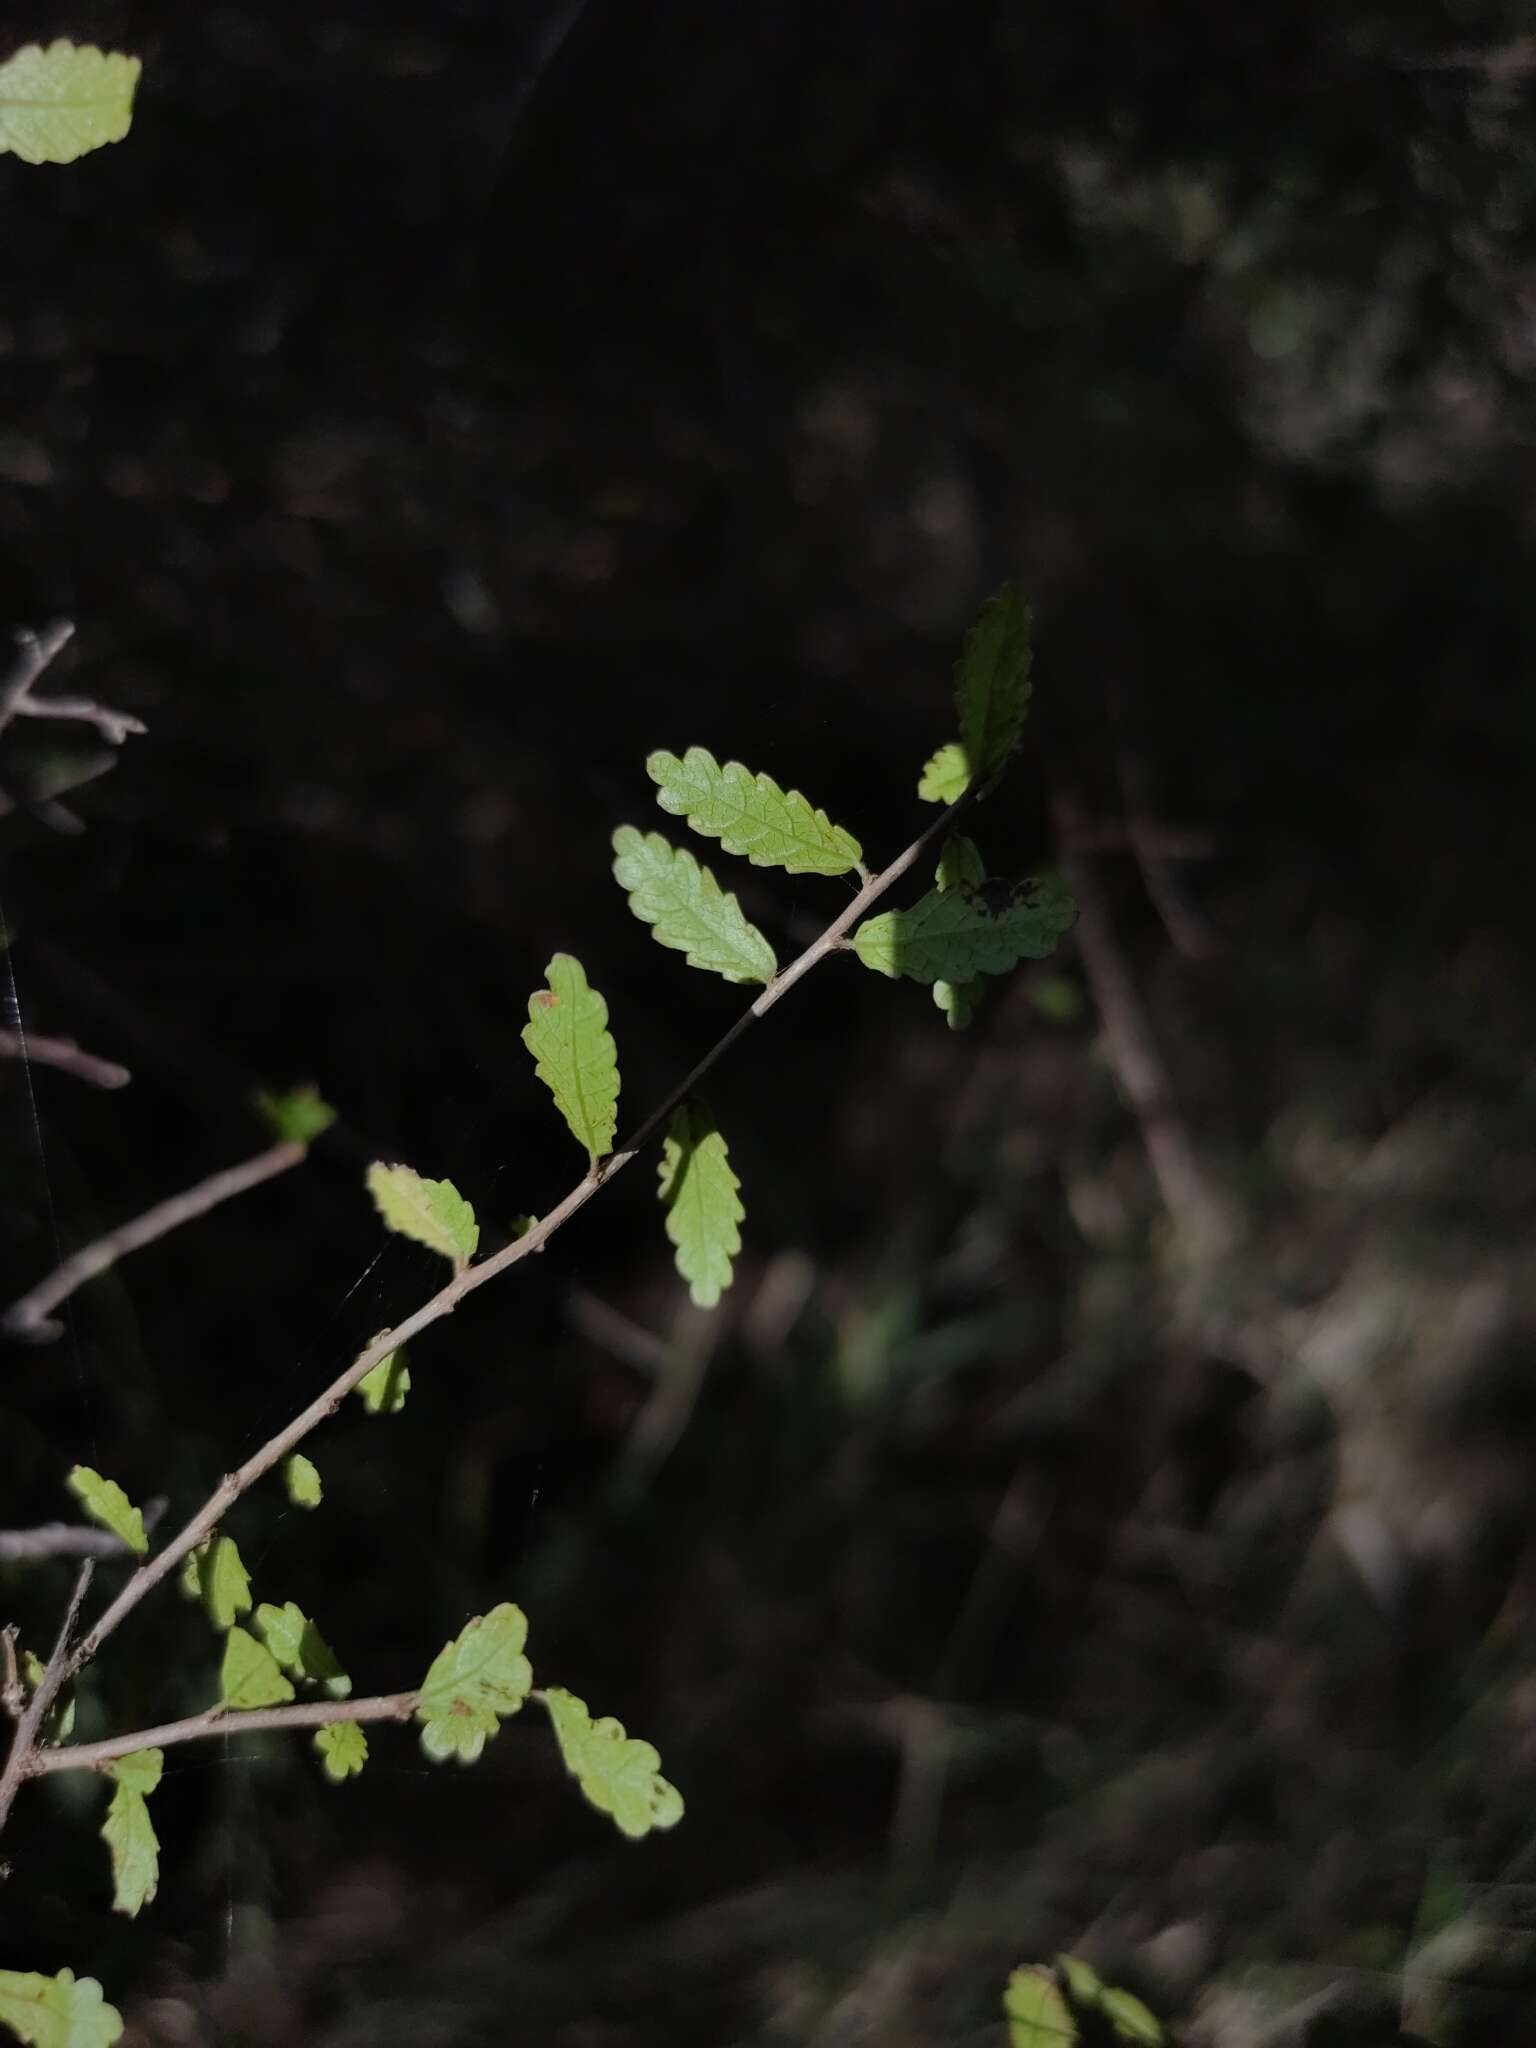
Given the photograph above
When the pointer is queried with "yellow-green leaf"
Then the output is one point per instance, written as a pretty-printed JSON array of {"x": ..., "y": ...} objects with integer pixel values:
[
  {"x": 300, "y": 1648},
  {"x": 617, "y": 1773},
  {"x": 960, "y": 864},
  {"x": 700, "y": 1195},
  {"x": 108, "y": 1506},
  {"x": 65, "y": 2011},
  {"x": 574, "y": 1054},
  {"x": 215, "y": 1574},
  {"x": 343, "y": 1749},
  {"x": 474, "y": 1683},
  {"x": 249, "y": 1676},
  {"x": 58, "y": 103},
  {"x": 300, "y": 1115},
  {"x": 945, "y": 775},
  {"x": 382, "y": 1390},
  {"x": 1038, "y": 2015},
  {"x": 749, "y": 814},
  {"x": 951, "y": 936},
  {"x": 302, "y": 1479},
  {"x": 687, "y": 909},
  {"x": 430, "y": 1212},
  {"x": 129, "y": 1833}
]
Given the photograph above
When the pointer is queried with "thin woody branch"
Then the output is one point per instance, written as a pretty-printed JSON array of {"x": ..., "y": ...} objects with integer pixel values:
[
  {"x": 30, "y": 1316},
  {"x": 68, "y": 1539},
  {"x": 34, "y": 651},
  {"x": 90, "y": 1756},
  {"x": 64, "y": 1054},
  {"x": 58, "y": 1669},
  {"x": 446, "y": 1300},
  {"x": 114, "y": 726}
]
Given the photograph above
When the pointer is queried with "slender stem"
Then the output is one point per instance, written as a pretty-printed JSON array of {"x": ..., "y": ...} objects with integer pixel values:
[
  {"x": 69, "y": 1539},
  {"x": 34, "y": 651},
  {"x": 60, "y": 1665},
  {"x": 29, "y": 1316},
  {"x": 66, "y": 1055},
  {"x": 114, "y": 726},
  {"x": 446, "y": 1300},
  {"x": 90, "y": 1756},
  {"x": 12, "y": 1698}
]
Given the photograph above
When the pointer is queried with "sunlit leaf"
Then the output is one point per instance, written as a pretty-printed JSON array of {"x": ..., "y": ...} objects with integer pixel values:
[
  {"x": 1038, "y": 2015},
  {"x": 619, "y": 1774},
  {"x": 960, "y": 864},
  {"x": 687, "y": 909},
  {"x": 107, "y": 1504},
  {"x": 474, "y": 1683},
  {"x": 129, "y": 1833},
  {"x": 299, "y": 1115},
  {"x": 383, "y": 1389},
  {"x": 343, "y": 1749},
  {"x": 300, "y": 1648},
  {"x": 959, "y": 1000},
  {"x": 951, "y": 936},
  {"x": 302, "y": 1479},
  {"x": 58, "y": 103},
  {"x": 430, "y": 1212},
  {"x": 945, "y": 775},
  {"x": 700, "y": 1194},
  {"x": 574, "y": 1054},
  {"x": 65, "y": 2011},
  {"x": 215, "y": 1574},
  {"x": 749, "y": 814},
  {"x": 249, "y": 1676}
]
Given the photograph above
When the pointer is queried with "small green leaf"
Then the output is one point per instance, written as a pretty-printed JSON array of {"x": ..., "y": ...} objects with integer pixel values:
[
  {"x": 574, "y": 1054},
  {"x": 302, "y": 1479},
  {"x": 1038, "y": 2016},
  {"x": 343, "y": 1749},
  {"x": 57, "y": 104},
  {"x": 383, "y": 1389},
  {"x": 617, "y": 1773},
  {"x": 687, "y": 909},
  {"x": 699, "y": 1192},
  {"x": 950, "y": 936},
  {"x": 474, "y": 1682},
  {"x": 959, "y": 1000},
  {"x": 749, "y": 814},
  {"x": 1132, "y": 2021},
  {"x": 300, "y": 1648},
  {"x": 945, "y": 776},
  {"x": 298, "y": 1116},
  {"x": 129, "y": 1833},
  {"x": 992, "y": 684},
  {"x": 430, "y": 1212},
  {"x": 960, "y": 864},
  {"x": 108, "y": 1506},
  {"x": 249, "y": 1676},
  {"x": 215, "y": 1575},
  {"x": 65, "y": 2011}
]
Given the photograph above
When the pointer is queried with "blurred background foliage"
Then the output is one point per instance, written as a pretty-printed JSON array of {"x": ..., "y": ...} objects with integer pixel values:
[{"x": 1100, "y": 1515}]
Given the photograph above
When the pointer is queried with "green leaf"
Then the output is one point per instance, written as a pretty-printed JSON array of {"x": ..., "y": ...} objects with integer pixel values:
[
  {"x": 687, "y": 909},
  {"x": 945, "y": 775},
  {"x": 474, "y": 1682},
  {"x": 383, "y": 1389},
  {"x": 215, "y": 1575},
  {"x": 129, "y": 1833},
  {"x": 302, "y": 1478},
  {"x": 430, "y": 1212},
  {"x": 57, "y": 2012},
  {"x": 298, "y": 1116},
  {"x": 1038, "y": 2016},
  {"x": 959, "y": 1000},
  {"x": 343, "y": 1749},
  {"x": 57, "y": 104},
  {"x": 749, "y": 814},
  {"x": 992, "y": 684},
  {"x": 574, "y": 1054},
  {"x": 249, "y": 1676},
  {"x": 1131, "y": 2020},
  {"x": 699, "y": 1192},
  {"x": 300, "y": 1648},
  {"x": 960, "y": 864},
  {"x": 950, "y": 936},
  {"x": 108, "y": 1506},
  {"x": 618, "y": 1774}
]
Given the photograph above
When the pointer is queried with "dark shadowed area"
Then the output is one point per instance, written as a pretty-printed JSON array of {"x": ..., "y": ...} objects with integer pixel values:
[{"x": 1099, "y": 1516}]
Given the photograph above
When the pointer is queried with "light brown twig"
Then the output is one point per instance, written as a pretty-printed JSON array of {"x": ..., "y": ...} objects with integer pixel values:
[
  {"x": 114, "y": 726},
  {"x": 68, "y": 1057},
  {"x": 90, "y": 1756},
  {"x": 34, "y": 651},
  {"x": 68, "y": 1539},
  {"x": 29, "y": 1317},
  {"x": 55, "y": 1672}
]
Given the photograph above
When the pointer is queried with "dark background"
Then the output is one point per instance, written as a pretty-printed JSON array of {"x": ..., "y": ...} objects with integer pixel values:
[{"x": 428, "y": 410}]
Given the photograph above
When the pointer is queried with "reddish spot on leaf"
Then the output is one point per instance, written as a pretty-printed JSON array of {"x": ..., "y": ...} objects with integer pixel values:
[{"x": 546, "y": 998}]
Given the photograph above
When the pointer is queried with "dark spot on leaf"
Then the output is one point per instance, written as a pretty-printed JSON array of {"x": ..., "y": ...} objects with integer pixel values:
[{"x": 546, "y": 999}]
